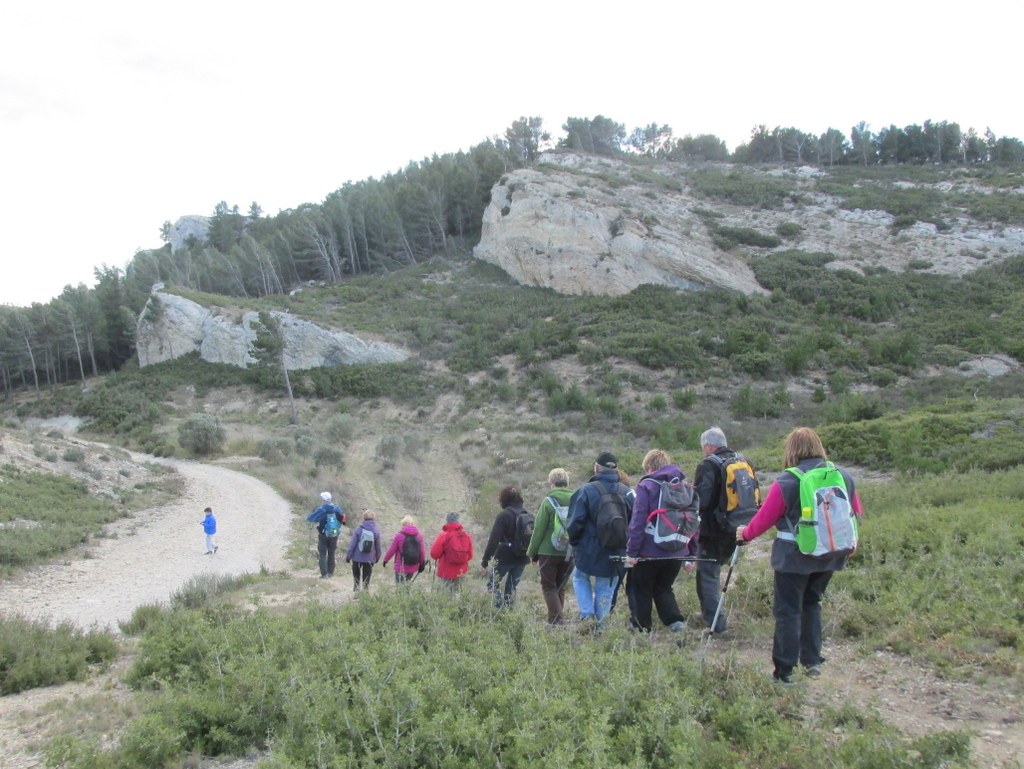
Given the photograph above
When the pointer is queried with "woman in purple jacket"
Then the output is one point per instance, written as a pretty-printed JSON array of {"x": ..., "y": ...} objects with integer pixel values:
[
  {"x": 654, "y": 569},
  {"x": 364, "y": 550}
]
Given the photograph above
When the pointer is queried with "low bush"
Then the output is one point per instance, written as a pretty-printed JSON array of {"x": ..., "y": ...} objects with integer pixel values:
[
  {"x": 44, "y": 515},
  {"x": 411, "y": 679},
  {"x": 202, "y": 435},
  {"x": 34, "y": 654}
]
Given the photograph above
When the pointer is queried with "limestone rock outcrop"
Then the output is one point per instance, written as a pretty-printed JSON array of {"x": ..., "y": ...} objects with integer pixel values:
[
  {"x": 583, "y": 224},
  {"x": 171, "y": 326},
  {"x": 565, "y": 231},
  {"x": 186, "y": 229}
]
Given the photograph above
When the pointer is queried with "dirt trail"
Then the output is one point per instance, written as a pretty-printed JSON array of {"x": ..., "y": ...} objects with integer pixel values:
[{"x": 147, "y": 557}]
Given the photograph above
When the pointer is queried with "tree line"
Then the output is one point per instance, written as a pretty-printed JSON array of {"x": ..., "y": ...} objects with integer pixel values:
[{"x": 431, "y": 207}]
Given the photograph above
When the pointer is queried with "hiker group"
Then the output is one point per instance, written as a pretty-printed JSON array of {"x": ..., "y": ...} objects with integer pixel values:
[
  {"x": 608, "y": 537},
  {"x": 452, "y": 550}
]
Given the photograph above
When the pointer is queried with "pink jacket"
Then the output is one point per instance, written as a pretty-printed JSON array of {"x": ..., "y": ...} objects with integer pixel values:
[{"x": 395, "y": 551}]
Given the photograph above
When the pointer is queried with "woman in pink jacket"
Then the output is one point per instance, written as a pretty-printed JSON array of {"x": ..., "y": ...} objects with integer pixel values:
[
  {"x": 410, "y": 557},
  {"x": 800, "y": 579}
]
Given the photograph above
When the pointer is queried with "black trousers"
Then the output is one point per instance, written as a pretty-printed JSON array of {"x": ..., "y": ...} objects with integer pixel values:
[
  {"x": 797, "y": 610},
  {"x": 361, "y": 573},
  {"x": 327, "y": 550},
  {"x": 650, "y": 586}
]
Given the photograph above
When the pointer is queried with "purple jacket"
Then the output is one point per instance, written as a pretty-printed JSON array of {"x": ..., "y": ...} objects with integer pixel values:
[
  {"x": 640, "y": 544},
  {"x": 354, "y": 554},
  {"x": 395, "y": 551}
]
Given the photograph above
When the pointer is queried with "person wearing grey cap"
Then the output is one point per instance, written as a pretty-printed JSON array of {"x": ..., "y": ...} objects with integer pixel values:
[
  {"x": 453, "y": 550},
  {"x": 599, "y": 513}
]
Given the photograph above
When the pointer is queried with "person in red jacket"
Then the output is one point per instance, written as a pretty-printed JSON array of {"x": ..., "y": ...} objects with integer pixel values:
[{"x": 453, "y": 550}]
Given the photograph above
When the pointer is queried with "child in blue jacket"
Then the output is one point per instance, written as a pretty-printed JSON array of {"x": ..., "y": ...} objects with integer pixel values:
[{"x": 210, "y": 528}]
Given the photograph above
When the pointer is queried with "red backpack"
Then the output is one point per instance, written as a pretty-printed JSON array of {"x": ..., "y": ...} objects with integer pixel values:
[{"x": 459, "y": 548}]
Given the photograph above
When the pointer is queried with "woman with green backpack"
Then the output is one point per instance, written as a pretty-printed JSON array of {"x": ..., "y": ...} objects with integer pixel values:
[
  {"x": 815, "y": 507},
  {"x": 549, "y": 545}
]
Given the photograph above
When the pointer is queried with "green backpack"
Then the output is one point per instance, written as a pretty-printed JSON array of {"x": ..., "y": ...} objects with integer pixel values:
[
  {"x": 559, "y": 519},
  {"x": 827, "y": 524}
]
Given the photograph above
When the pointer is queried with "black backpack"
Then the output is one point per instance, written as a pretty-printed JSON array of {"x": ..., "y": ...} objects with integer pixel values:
[
  {"x": 612, "y": 519},
  {"x": 412, "y": 554},
  {"x": 522, "y": 535}
]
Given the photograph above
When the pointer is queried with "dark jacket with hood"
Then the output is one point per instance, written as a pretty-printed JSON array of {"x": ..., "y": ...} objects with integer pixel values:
[
  {"x": 503, "y": 533},
  {"x": 593, "y": 558}
]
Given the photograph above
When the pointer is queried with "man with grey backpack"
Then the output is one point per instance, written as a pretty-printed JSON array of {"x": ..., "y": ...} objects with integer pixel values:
[{"x": 549, "y": 546}]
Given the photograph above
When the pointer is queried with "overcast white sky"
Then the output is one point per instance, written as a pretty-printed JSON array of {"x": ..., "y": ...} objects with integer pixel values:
[{"x": 118, "y": 116}]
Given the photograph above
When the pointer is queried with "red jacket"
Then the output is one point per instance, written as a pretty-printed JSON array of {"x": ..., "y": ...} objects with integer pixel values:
[{"x": 441, "y": 551}]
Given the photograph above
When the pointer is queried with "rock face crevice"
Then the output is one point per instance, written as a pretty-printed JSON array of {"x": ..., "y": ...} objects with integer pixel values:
[{"x": 171, "y": 326}]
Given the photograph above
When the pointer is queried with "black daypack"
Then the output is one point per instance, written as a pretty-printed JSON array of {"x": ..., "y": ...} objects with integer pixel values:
[
  {"x": 522, "y": 535},
  {"x": 412, "y": 554},
  {"x": 612, "y": 519}
]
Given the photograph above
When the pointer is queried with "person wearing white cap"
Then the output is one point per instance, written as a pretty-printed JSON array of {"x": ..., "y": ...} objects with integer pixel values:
[{"x": 329, "y": 518}]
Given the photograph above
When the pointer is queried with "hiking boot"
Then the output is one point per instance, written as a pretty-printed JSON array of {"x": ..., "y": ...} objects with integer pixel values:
[
  {"x": 678, "y": 626},
  {"x": 812, "y": 671},
  {"x": 784, "y": 679},
  {"x": 208, "y": 552}
]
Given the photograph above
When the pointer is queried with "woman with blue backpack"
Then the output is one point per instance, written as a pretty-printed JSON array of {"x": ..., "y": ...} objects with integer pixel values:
[
  {"x": 815, "y": 507},
  {"x": 364, "y": 550},
  {"x": 328, "y": 518}
]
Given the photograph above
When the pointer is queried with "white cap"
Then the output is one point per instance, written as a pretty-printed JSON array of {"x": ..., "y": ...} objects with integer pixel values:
[{"x": 326, "y": 496}]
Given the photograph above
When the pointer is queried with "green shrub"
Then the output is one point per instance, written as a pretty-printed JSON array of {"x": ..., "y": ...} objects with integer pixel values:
[
  {"x": 34, "y": 654},
  {"x": 404, "y": 679},
  {"x": 274, "y": 449},
  {"x": 341, "y": 428},
  {"x": 684, "y": 400},
  {"x": 44, "y": 515},
  {"x": 789, "y": 230},
  {"x": 328, "y": 456},
  {"x": 747, "y": 237},
  {"x": 201, "y": 434},
  {"x": 73, "y": 455},
  {"x": 750, "y": 402}
]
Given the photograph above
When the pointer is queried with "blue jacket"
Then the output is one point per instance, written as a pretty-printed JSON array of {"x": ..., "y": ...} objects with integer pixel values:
[
  {"x": 354, "y": 553},
  {"x": 592, "y": 558},
  {"x": 319, "y": 516},
  {"x": 648, "y": 491},
  {"x": 210, "y": 524}
]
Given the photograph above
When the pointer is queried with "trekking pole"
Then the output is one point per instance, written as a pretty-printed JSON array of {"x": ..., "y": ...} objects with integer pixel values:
[{"x": 721, "y": 601}]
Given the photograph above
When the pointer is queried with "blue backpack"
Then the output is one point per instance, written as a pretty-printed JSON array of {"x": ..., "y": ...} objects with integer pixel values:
[{"x": 332, "y": 525}]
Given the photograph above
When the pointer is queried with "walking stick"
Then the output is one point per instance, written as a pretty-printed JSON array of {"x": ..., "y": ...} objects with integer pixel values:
[{"x": 721, "y": 601}]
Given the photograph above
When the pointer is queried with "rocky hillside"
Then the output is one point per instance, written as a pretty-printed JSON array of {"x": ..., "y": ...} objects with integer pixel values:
[
  {"x": 171, "y": 326},
  {"x": 583, "y": 224}
]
